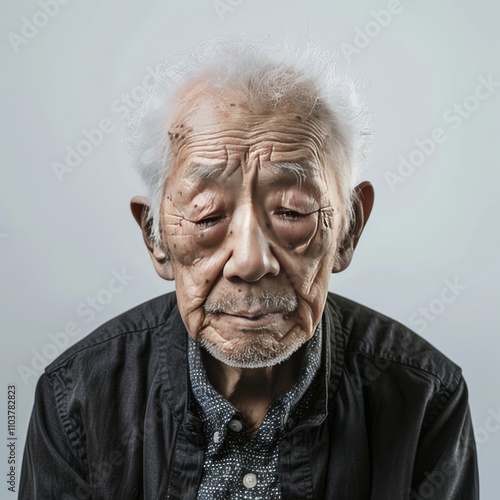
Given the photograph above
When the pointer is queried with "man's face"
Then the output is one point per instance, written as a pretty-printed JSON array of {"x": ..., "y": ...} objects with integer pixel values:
[{"x": 250, "y": 217}]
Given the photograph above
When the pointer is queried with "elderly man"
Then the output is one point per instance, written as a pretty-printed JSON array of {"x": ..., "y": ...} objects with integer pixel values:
[{"x": 251, "y": 381}]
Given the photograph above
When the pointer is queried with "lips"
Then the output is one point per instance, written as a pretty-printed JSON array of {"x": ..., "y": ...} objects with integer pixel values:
[
  {"x": 252, "y": 315},
  {"x": 250, "y": 321},
  {"x": 249, "y": 317}
]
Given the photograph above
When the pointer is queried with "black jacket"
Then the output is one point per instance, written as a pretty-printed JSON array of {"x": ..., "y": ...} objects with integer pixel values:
[{"x": 114, "y": 418}]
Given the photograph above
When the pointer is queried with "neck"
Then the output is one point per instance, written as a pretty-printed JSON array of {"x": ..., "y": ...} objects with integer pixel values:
[{"x": 253, "y": 390}]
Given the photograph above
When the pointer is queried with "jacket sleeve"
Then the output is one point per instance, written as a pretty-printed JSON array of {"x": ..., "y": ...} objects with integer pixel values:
[
  {"x": 446, "y": 465},
  {"x": 51, "y": 467}
]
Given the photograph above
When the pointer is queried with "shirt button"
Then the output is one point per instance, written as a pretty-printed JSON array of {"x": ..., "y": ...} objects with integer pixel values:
[
  {"x": 216, "y": 437},
  {"x": 235, "y": 425},
  {"x": 250, "y": 480}
]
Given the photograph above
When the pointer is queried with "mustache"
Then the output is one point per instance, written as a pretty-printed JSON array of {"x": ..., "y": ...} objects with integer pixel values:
[{"x": 267, "y": 301}]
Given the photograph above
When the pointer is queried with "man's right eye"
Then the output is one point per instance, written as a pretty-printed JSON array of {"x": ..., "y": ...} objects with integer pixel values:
[{"x": 210, "y": 221}]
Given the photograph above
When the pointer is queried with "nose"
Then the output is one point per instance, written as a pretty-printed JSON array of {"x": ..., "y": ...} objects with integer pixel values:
[{"x": 251, "y": 256}]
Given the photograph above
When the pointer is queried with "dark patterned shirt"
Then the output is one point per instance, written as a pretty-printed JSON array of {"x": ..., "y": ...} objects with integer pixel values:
[{"x": 238, "y": 465}]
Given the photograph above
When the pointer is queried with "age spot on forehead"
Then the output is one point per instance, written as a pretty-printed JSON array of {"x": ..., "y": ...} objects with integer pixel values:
[{"x": 178, "y": 133}]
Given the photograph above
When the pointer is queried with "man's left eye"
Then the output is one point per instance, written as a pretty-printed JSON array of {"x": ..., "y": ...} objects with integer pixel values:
[{"x": 290, "y": 214}]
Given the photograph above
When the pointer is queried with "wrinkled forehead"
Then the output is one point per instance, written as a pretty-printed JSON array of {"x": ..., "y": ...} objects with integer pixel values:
[{"x": 224, "y": 123}]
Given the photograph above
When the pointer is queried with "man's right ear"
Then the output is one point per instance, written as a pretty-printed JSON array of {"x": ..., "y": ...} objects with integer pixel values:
[{"x": 158, "y": 254}]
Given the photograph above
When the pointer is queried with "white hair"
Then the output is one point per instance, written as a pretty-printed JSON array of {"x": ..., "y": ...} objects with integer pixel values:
[{"x": 269, "y": 72}]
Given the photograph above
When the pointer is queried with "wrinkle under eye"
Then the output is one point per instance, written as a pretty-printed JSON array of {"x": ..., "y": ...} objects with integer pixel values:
[{"x": 293, "y": 228}]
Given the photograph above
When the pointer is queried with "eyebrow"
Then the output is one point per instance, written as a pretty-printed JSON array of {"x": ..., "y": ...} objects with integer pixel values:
[
  {"x": 200, "y": 172},
  {"x": 300, "y": 169}
]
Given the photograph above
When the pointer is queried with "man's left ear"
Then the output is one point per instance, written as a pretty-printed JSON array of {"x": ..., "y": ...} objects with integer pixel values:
[{"x": 363, "y": 204}]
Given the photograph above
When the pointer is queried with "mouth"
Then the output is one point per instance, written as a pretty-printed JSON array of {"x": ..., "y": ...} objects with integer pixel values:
[
  {"x": 251, "y": 315},
  {"x": 250, "y": 320},
  {"x": 267, "y": 310}
]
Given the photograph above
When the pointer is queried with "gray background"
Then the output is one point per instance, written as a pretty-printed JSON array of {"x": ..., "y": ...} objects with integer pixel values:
[{"x": 62, "y": 237}]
